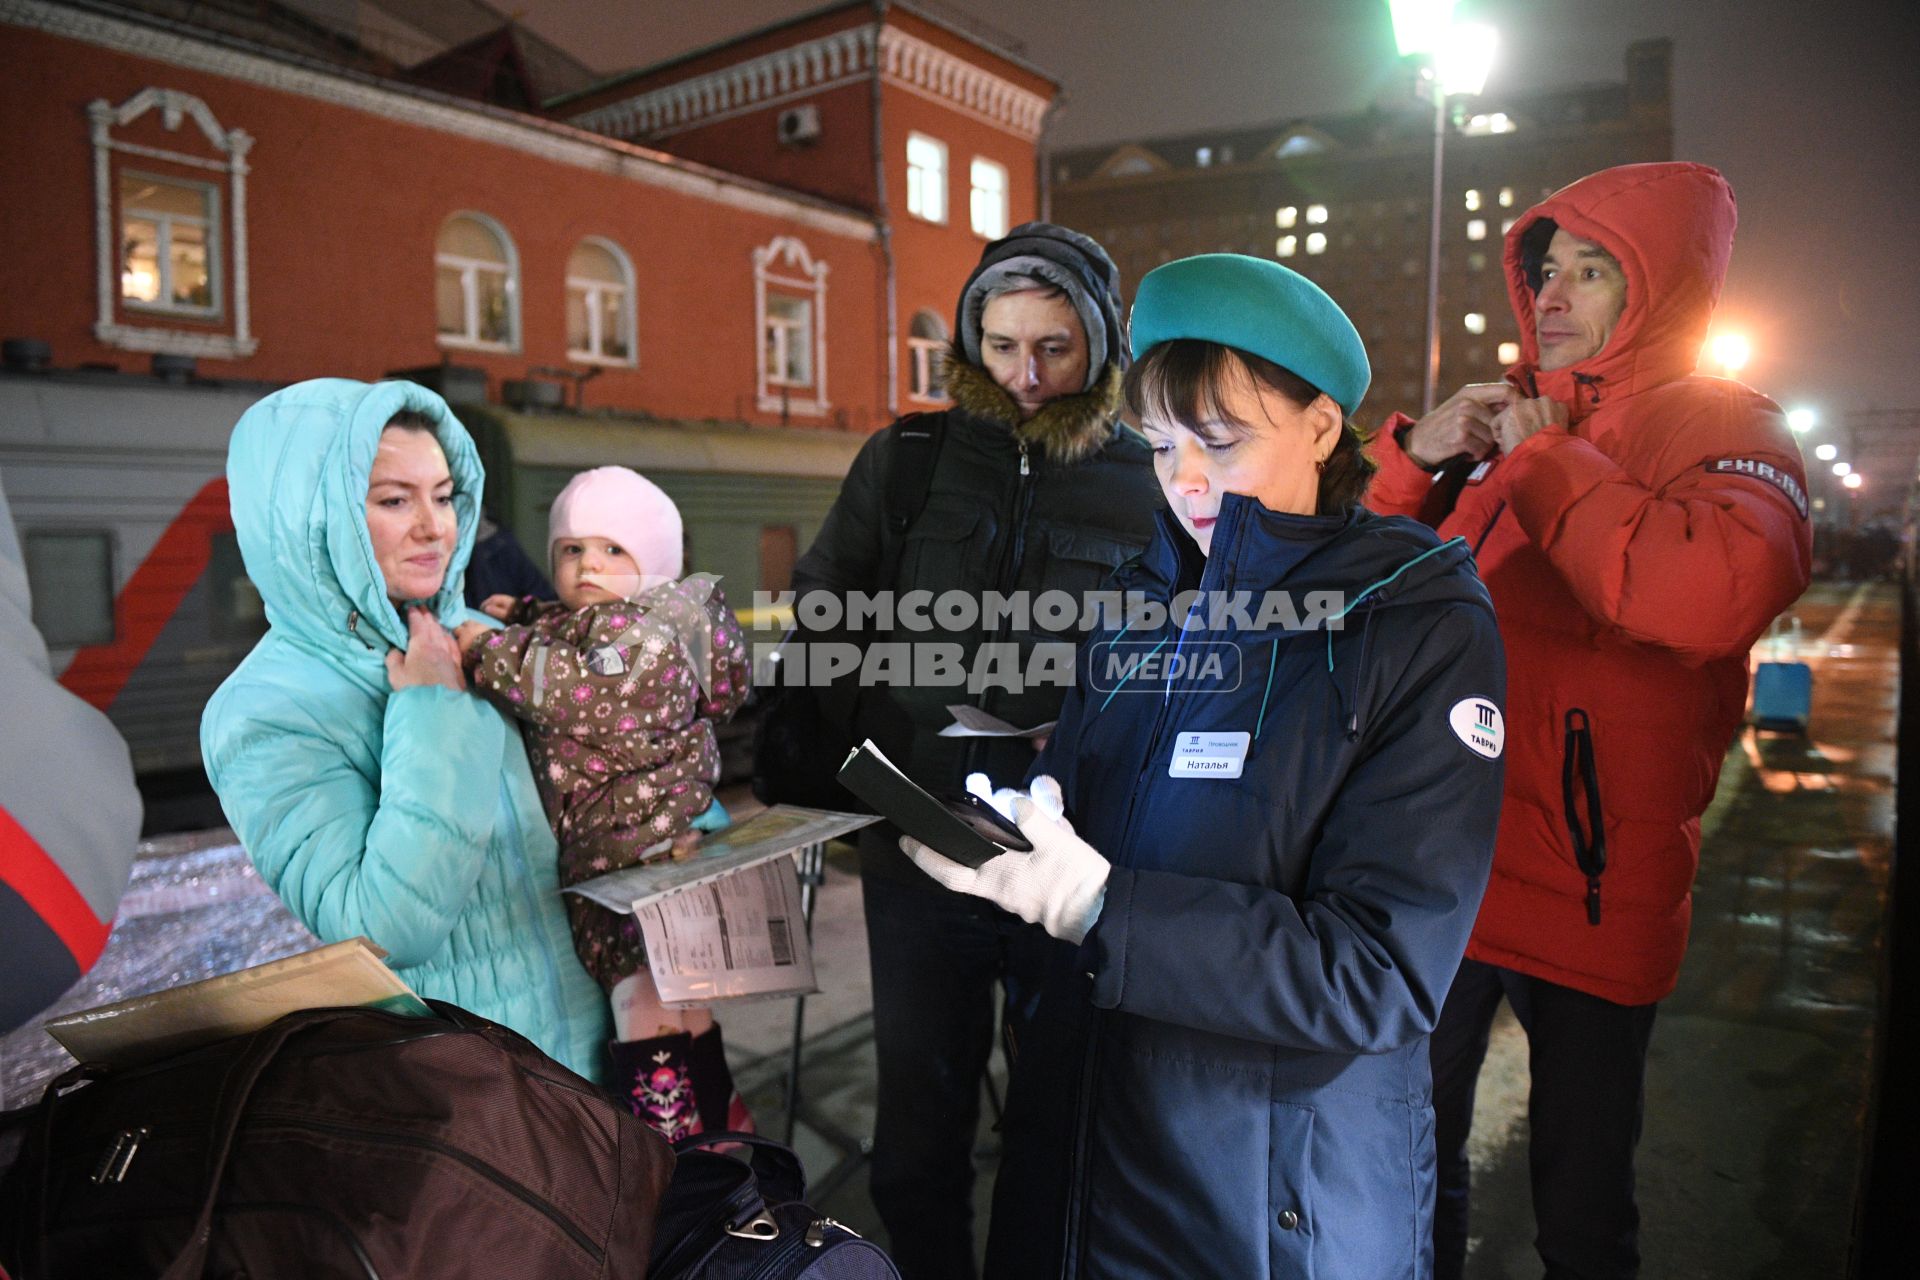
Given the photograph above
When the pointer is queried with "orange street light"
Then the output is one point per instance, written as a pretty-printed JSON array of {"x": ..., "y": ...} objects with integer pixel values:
[{"x": 1731, "y": 351}]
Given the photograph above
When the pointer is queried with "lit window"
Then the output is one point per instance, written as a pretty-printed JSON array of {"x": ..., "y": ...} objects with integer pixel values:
[
  {"x": 788, "y": 335},
  {"x": 1476, "y": 229},
  {"x": 1316, "y": 242},
  {"x": 1285, "y": 216},
  {"x": 1476, "y": 261},
  {"x": 169, "y": 236},
  {"x": 599, "y": 304},
  {"x": 926, "y": 342},
  {"x": 1473, "y": 201},
  {"x": 1506, "y": 225},
  {"x": 1285, "y": 246},
  {"x": 1476, "y": 321},
  {"x": 1509, "y": 353},
  {"x": 989, "y": 204},
  {"x": 926, "y": 177},
  {"x": 70, "y": 577},
  {"x": 173, "y": 247},
  {"x": 1506, "y": 197},
  {"x": 1316, "y": 214},
  {"x": 790, "y": 295},
  {"x": 1203, "y": 156},
  {"x": 1495, "y": 122},
  {"x": 477, "y": 295}
]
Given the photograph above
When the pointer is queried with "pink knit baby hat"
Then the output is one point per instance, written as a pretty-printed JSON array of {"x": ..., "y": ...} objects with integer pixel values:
[{"x": 624, "y": 508}]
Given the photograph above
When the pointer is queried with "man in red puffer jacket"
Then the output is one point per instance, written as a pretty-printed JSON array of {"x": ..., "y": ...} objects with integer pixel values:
[{"x": 1638, "y": 526}]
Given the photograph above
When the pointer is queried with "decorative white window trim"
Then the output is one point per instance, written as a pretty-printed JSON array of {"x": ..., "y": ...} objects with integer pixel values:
[
  {"x": 464, "y": 341},
  {"x": 174, "y": 107},
  {"x": 923, "y": 359},
  {"x": 593, "y": 288},
  {"x": 784, "y": 263},
  {"x": 812, "y": 66}
]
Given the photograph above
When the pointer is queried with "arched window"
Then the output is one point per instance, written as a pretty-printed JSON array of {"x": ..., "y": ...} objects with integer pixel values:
[
  {"x": 478, "y": 287},
  {"x": 599, "y": 303},
  {"x": 926, "y": 343}
]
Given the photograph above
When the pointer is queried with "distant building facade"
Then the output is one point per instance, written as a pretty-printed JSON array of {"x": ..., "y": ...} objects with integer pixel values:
[{"x": 1347, "y": 201}]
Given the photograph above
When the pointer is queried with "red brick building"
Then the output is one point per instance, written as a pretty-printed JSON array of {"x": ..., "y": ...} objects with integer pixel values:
[{"x": 772, "y": 231}]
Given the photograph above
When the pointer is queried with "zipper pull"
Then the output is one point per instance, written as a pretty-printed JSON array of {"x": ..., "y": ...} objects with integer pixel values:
[
  {"x": 1593, "y": 900},
  {"x": 816, "y": 1233},
  {"x": 1023, "y": 458}
]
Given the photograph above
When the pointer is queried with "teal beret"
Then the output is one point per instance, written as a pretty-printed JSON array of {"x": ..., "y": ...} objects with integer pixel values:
[{"x": 1259, "y": 307}]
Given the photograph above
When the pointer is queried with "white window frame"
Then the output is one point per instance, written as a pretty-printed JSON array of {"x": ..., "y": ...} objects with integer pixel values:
[
  {"x": 791, "y": 336},
  {"x": 593, "y": 289},
  {"x": 165, "y": 222},
  {"x": 227, "y": 269},
  {"x": 470, "y": 269},
  {"x": 785, "y": 264},
  {"x": 1001, "y": 197},
  {"x": 927, "y": 186},
  {"x": 922, "y": 357}
]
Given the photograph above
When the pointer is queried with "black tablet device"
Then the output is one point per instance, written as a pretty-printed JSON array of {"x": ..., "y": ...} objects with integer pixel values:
[{"x": 985, "y": 820}]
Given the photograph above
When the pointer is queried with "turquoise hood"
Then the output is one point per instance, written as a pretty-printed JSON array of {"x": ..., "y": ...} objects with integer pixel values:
[
  {"x": 297, "y": 469},
  {"x": 406, "y": 816}
]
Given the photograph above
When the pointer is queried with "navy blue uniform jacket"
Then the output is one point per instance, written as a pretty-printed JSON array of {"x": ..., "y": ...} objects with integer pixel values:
[{"x": 1229, "y": 1077}]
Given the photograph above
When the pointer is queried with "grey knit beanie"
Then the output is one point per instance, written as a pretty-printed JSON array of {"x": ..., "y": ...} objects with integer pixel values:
[{"x": 1069, "y": 261}]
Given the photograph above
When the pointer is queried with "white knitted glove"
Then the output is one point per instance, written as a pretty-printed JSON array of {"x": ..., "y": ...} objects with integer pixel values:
[
  {"x": 1060, "y": 886},
  {"x": 1045, "y": 793}
]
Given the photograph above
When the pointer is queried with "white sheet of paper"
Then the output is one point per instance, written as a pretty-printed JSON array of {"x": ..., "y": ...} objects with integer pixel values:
[
  {"x": 741, "y": 936},
  {"x": 972, "y": 722}
]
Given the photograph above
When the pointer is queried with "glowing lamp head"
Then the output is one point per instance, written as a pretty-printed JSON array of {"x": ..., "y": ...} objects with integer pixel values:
[{"x": 1731, "y": 351}]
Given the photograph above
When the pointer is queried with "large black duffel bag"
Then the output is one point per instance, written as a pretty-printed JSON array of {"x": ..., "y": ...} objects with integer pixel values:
[{"x": 335, "y": 1142}]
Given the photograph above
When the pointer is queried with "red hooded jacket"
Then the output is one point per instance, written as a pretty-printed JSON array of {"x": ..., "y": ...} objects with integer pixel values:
[{"x": 1633, "y": 558}]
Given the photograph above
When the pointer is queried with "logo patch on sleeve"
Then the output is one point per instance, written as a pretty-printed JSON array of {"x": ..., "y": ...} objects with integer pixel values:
[
  {"x": 1758, "y": 470},
  {"x": 1477, "y": 722}
]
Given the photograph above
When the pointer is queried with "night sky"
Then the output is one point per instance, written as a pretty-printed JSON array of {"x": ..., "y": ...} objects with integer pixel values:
[{"x": 1809, "y": 109}]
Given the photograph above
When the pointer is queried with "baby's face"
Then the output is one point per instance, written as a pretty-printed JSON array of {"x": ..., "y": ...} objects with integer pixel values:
[{"x": 589, "y": 571}]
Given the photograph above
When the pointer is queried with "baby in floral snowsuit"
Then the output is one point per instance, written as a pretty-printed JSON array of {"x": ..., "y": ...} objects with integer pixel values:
[{"x": 620, "y": 683}]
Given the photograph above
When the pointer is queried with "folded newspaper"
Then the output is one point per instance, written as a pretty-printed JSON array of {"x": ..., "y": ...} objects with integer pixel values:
[
  {"x": 129, "y": 1032},
  {"x": 727, "y": 923}
]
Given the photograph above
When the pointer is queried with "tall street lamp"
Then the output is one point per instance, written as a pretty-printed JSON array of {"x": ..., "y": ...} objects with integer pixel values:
[{"x": 1456, "y": 60}]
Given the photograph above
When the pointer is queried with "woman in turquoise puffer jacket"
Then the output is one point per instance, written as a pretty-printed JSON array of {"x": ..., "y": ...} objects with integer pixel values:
[{"x": 373, "y": 793}]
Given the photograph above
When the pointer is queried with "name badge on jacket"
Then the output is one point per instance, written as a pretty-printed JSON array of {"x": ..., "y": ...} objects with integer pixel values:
[{"x": 1209, "y": 755}]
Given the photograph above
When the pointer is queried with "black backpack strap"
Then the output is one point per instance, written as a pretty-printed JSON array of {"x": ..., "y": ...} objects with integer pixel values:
[{"x": 916, "y": 450}]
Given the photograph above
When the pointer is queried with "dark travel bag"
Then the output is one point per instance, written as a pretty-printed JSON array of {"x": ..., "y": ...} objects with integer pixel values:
[
  {"x": 744, "y": 1217},
  {"x": 346, "y": 1142}
]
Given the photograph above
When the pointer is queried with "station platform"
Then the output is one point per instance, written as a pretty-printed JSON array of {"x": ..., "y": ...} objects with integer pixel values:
[{"x": 1759, "y": 1070}]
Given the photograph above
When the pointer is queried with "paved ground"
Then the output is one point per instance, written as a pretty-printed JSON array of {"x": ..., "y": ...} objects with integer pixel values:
[{"x": 1758, "y": 1070}]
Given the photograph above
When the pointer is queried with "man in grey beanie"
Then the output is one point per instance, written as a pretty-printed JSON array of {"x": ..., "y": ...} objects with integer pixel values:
[{"x": 1028, "y": 484}]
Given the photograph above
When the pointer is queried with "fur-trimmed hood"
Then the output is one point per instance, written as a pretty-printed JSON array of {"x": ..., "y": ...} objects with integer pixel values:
[{"x": 1069, "y": 429}]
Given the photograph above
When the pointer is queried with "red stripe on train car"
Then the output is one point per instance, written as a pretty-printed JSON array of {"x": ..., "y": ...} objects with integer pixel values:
[
  {"x": 152, "y": 596},
  {"x": 38, "y": 879}
]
